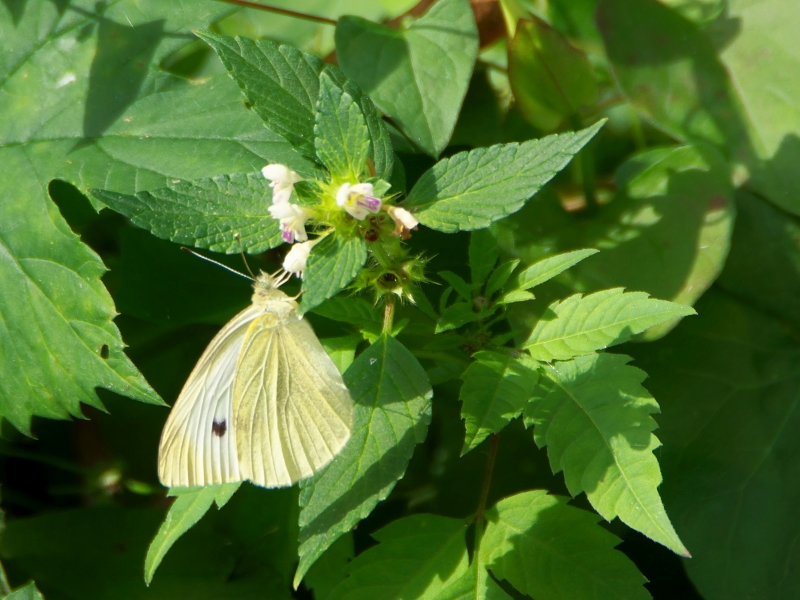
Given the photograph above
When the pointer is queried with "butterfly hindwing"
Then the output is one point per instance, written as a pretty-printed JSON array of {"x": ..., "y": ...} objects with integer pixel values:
[{"x": 292, "y": 411}]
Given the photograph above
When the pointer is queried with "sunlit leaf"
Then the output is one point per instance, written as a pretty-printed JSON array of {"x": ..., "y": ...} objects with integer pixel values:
[
  {"x": 472, "y": 189},
  {"x": 333, "y": 264},
  {"x": 582, "y": 324},
  {"x": 552, "y": 551},
  {"x": 392, "y": 412},
  {"x": 423, "y": 102},
  {"x": 416, "y": 557},
  {"x": 551, "y": 79},
  {"x": 548, "y": 268},
  {"x": 29, "y": 592},
  {"x": 341, "y": 136},
  {"x": 208, "y": 213},
  {"x": 738, "y": 99},
  {"x": 189, "y": 507},
  {"x": 280, "y": 82},
  {"x": 495, "y": 390},
  {"x": 594, "y": 417},
  {"x": 95, "y": 115}
]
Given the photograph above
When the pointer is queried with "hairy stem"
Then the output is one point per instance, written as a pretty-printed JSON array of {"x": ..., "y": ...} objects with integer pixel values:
[
  {"x": 282, "y": 11},
  {"x": 487, "y": 482},
  {"x": 388, "y": 314}
]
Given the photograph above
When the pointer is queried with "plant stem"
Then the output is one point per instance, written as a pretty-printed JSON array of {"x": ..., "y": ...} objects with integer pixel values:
[
  {"x": 585, "y": 164},
  {"x": 282, "y": 11},
  {"x": 388, "y": 314},
  {"x": 5, "y": 588},
  {"x": 487, "y": 482}
]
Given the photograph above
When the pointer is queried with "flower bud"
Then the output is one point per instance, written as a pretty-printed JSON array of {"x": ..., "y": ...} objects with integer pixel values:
[
  {"x": 404, "y": 221},
  {"x": 297, "y": 257}
]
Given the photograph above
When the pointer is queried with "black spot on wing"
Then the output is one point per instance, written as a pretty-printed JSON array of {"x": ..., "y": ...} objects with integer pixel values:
[{"x": 220, "y": 428}]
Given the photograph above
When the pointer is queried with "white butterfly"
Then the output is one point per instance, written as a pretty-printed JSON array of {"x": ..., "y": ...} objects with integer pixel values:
[{"x": 265, "y": 402}]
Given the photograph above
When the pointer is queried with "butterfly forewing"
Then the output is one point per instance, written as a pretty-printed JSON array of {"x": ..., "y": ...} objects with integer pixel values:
[
  {"x": 197, "y": 445},
  {"x": 291, "y": 408}
]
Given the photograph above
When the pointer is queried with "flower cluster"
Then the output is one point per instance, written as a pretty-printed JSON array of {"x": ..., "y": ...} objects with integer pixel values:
[
  {"x": 359, "y": 202},
  {"x": 293, "y": 217}
]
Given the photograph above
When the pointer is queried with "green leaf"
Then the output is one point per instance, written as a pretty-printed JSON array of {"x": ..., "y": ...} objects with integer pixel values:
[
  {"x": 353, "y": 310},
  {"x": 341, "y": 135},
  {"x": 457, "y": 315},
  {"x": 546, "y": 269},
  {"x": 393, "y": 67},
  {"x": 758, "y": 59},
  {"x": 472, "y": 189},
  {"x": 98, "y": 115},
  {"x": 416, "y": 557},
  {"x": 582, "y": 324},
  {"x": 682, "y": 201},
  {"x": 475, "y": 584},
  {"x": 333, "y": 264},
  {"x": 208, "y": 213},
  {"x": 329, "y": 571},
  {"x": 342, "y": 350},
  {"x": 495, "y": 390},
  {"x": 672, "y": 55},
  {"x": 483, "y": 254},
  {"x": 500, "y": 276},
  {"x": 594, "y": 417},
  {"x": 550, "y": 550},
  {"x": 29, "y": 592},
  {"x": 381, "y": 151},
  {"x": 666, "y": 232},
  {"x": 59, "y": 340},
  {"x": 728, "y": 384},
  {"x": 514, "y": 296},
  {"x": 550, "y": 78},
  {"x": 281, "y": 84},
  {"x": 459, "y": 285},
  {"x": 737, "y": 99},
  {"x": 763, "y": 267},
  {"x": 189, "y": 507},
  {"x": 392, "y": 411}
]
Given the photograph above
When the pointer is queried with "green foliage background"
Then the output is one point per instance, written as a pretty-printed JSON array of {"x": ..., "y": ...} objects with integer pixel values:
[{"x": 584, "y": 177}]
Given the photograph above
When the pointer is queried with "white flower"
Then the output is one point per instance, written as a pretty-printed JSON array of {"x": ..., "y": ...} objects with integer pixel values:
[
  {"x": 293, "y": 221},
  {"x": 404, "y": 221},
  {"x": 358, "y": 200},
  {"x": 283, "y": 180},
  {"x": 296, "y": 258}
]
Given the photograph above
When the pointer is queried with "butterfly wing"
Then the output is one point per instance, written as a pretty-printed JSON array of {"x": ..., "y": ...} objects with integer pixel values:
[
  {"x": 197, "y": 445},
  {"x": 292, "y": 411}
]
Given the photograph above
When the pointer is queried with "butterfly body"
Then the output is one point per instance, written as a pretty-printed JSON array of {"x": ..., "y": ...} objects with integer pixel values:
[{"x": 264, "y": 402}]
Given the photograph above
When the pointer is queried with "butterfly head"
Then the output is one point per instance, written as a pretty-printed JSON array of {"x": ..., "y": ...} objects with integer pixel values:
[{"x": 265, "y": 288}]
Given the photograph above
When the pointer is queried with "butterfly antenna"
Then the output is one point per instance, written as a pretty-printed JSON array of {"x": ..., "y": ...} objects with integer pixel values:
[
  {"x": 219, "y": 264},
  {"x": 244, "y": 260}
]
